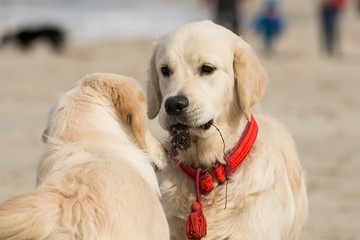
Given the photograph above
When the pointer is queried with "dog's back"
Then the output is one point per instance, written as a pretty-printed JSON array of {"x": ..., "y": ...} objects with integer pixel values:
[
  {"x": 95, "y": 180},
  {"x": 94, "y": 200}
]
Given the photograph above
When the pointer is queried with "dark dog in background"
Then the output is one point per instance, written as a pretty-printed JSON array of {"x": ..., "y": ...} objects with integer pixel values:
[{"x": 25, "y": 37}]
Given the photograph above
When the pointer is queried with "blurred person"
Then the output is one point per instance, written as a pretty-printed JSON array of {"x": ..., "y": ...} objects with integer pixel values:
[
  {"x": 330, "y": 11},
  {"x": 270, "y": 24},
  {"x": 228, "y": 13}
]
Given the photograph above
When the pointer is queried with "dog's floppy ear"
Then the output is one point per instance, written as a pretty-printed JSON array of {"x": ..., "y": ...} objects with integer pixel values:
[
  {"x": 133, "y": 111},
  {"x": 136, "y": 117},
  {"x": 154, "y": 96},
  {"x": 127, "y": 98},
  {"x": 250, "y": 77}
]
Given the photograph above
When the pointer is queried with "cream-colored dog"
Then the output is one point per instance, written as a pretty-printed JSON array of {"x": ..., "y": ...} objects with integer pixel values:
[
  {"x": 96, "y": 179},
  {"x": 204, "y": 83}
]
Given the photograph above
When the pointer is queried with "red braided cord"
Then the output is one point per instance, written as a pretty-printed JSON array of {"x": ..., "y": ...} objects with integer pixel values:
[
  {"x": 237, "y": 157},
  {"x": 189, "y": 171},
  {"x": 197, "y": 185}
]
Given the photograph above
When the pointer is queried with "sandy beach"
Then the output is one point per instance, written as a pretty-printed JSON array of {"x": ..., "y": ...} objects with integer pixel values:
[{"x": 315, "y": 96}]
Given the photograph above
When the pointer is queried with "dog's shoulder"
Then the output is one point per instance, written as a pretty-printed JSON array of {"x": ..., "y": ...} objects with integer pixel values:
[
  {"x": 276, "y": 137},
  {"x": 272, "y": 131}
]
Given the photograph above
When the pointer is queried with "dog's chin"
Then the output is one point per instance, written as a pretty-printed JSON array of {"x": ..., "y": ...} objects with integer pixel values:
[{"x": 197, "y": 128}]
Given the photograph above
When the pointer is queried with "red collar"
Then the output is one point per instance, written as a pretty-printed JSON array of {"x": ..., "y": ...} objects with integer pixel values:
[
  {"x": 196, "y": 224},
  {"x": 234, "y": 159}
]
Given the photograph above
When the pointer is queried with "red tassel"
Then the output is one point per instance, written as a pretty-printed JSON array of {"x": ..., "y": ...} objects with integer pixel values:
[{"x": 196, "y": 223}]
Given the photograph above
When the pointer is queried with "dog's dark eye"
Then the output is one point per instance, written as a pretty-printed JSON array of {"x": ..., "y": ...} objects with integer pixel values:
[
  {"x": 165, "y": 71},
  {"x": 207, "y": 69}
]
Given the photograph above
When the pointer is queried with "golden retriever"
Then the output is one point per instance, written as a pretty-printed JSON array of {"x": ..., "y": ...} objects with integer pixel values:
[
  {"x": 204, "y": 84},
  {"x": 96, "y": 179}
]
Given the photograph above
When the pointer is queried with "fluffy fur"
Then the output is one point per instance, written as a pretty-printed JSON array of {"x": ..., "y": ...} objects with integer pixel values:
[
  {"x": 95, "y": 180},
  {"x": 222, "y": 79}
]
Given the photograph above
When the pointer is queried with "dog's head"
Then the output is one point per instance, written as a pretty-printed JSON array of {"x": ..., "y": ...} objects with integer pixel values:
[
  {"x": 103, "y": 103},
  {"x": 202, "y": 73}
]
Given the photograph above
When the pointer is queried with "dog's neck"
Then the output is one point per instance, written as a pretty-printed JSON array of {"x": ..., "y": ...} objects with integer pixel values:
[{"x": 205, "y": 152}]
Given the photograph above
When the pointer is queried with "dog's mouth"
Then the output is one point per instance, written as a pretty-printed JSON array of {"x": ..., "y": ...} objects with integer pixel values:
[
  {"x": 180, "y": 134},
  {"x": 207, "y": 125}
]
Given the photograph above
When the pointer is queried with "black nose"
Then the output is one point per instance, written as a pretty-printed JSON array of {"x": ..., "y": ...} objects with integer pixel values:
[{"x": 175, "y": 105}]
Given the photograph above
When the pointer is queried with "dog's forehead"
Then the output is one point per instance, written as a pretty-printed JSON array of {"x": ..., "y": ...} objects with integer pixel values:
[{"x": 197, "y": 40}]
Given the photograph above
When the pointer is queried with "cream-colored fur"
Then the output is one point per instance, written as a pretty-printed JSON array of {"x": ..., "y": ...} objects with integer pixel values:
[
  {"x": 96, "y": 179},
  {"x": 266, "y": 196}
]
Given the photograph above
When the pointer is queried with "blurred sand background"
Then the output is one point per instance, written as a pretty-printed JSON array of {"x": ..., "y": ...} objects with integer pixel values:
[{"x": 316, "y": 96}]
